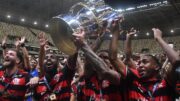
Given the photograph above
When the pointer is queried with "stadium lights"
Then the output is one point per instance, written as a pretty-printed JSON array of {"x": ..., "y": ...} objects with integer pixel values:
[
  {"x": 35, "y": 23},
  {"x": 130, "y": 8},
  {"x": 120, "y": 10},
  {"x": 147, "y": 34},
  {"x": 135, "y": 35},
  {"x": 8, "y": 16},
  {"x": 22, "y": 20},
  {"x": 155, "y": 4},
  {"x": 110, "y": 35},
  {"x": 46, "y": 25},
  {"x": 172, "y": 31},
  {"x": 142, "y": 6}
]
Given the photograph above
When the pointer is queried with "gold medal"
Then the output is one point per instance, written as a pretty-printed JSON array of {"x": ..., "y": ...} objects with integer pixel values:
[{"x": 52, "y": 97}]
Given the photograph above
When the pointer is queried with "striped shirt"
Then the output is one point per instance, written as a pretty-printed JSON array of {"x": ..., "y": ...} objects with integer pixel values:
[
  {"x": 13, "y": 87},
  {"x": 177, "y": 72},
  {"x": 93, "y": 90},
  {"x": 60, "y": 85},
  {"x": 149, "y": 90}
]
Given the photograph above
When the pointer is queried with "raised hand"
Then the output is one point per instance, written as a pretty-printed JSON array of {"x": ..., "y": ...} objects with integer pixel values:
[
  {"x": 115, "y": 25},
  {"x": 42, "y": 39},
  {"x": 47, "y": 47},
  {"x": 131, "y": 33},
  {"x": 157, "y": 33},
  {"x": 33, "y": 81},
  {"x": 79, "y": 37},
  {"x": 22, "y": 40},
  {"x": 17, "y": 43},
  {"x": 3, "y": 44}
]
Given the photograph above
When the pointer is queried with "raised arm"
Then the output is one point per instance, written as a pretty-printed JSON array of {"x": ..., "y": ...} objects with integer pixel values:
[
  {"x": 3, "y": 45},
  {"x": 99, "y": 65},
  {"x": 113, "y": 48},
  {"x": 171, "y": 54},
  {"x": 128, "y": 50},
  {"x": 42, "y": 42},
  {"x": 17, "y": 43},
  {"x": 101, "y": 32},
  {"x": 21, "y": 44}
]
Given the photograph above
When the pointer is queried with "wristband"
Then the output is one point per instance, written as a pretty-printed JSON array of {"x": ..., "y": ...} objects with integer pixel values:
[
  {"x": 3, "y": 46},
  {"x": 22, "y": 45}
]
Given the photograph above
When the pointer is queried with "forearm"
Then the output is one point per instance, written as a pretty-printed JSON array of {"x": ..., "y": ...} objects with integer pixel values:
[
  {"x": 128, "y": 50},
  {"x": 117, "y": 63},
  {"x": 171, "y": 54},
  {"x": 26, "y": 58},
  {"x": 173, "y": 58},
  {"x": 4, "y": 52},
  {"x": 97, "y": 43},
  {"x": 99, "y": 65},
  {"x": 93, "y": 58},
  {"x": 113, "y": 46},
  {"x": 41, "y": 60}
]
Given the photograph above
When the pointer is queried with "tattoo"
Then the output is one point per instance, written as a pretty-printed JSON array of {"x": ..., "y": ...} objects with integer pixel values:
[{"x": 98, "y": 63}]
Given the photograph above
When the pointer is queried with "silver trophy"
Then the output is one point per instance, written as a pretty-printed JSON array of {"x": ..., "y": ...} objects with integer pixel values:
[{"x": 89, "y": 15}]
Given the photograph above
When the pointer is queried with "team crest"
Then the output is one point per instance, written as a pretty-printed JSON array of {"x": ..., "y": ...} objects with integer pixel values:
[
  {"x": 16, "y": 81},
  {"x": 105, "y": 83},
  {"x": 56, "y": 77}
]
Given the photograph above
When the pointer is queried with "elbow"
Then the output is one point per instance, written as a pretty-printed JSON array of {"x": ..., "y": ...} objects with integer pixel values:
[
  {"x": 113, "y": 78},
  {"x": 174, "y": 58},
  {"x": 104, "y": 74},
  {"x": 177, "y": 59}
]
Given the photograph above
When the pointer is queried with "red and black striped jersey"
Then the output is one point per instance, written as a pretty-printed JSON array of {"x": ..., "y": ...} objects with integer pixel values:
[
  {"x": 60, "y": 85},
  {"x": 177, "y": 78},
  {"x": 13, "y": 87},
  {"x": 112, "y": 92},
  {"x": 94, "y": 90},
  {"x": 150, "y": 90},
  {"x": 178, "y": 88}
]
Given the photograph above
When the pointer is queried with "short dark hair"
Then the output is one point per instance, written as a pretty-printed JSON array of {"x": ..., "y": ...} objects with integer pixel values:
[
  {"x": 155, "y": 59},
  {"x": 19, "y": 54},
  {"x": 56, "y": 55}
]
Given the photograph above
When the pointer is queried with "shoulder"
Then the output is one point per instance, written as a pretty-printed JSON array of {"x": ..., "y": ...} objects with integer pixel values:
[
  {"x": 23, "y": 74},
  {"x": 1, "y": 73}
]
